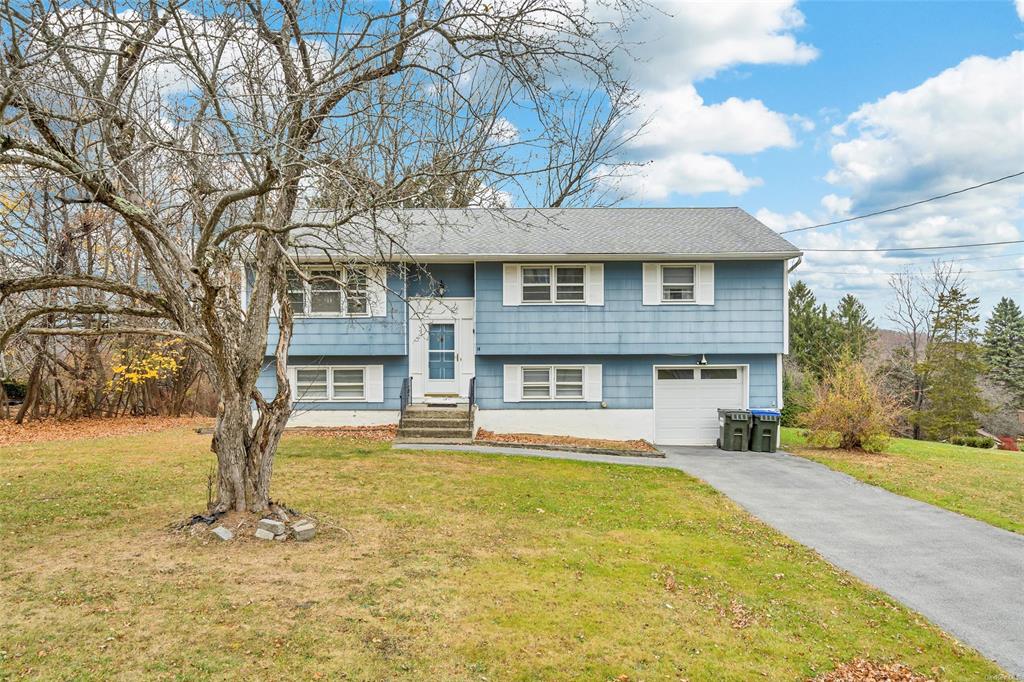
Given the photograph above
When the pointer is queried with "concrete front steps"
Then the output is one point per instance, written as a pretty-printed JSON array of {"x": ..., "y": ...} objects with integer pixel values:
[{"x": 435, "y": 424}]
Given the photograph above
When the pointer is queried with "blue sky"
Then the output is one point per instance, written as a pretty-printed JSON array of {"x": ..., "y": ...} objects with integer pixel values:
[{"x": 807, "y": 112}]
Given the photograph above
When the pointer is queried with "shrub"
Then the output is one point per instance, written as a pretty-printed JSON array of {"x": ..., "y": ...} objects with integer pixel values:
[
  {"x": 850, "y": 410},
  {"x": 14, "y": 390},
  {"x": 971, "y": 441},
  {"x": 796, "y": 396},
  {"x": 1008, "y": 443}
]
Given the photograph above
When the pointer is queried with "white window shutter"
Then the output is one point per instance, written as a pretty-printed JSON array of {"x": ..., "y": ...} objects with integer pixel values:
[
  {"x": 592, "y": 383},
  {"x": 595, "y": 283},
  {"x": 377, "y": 291},
  {"x": 705, "y": 284},
  {"x": 652, "y": 284},
  {"x": 513, "y": 375},
  {"x": 373, "y": 383},
  {"x": 511, "y": 285}
]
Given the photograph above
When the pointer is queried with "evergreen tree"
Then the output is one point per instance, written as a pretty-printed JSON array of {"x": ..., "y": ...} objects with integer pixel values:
[
  {"x": 857, "y": 329},
  {"x": 954, "y": 364},
  {"x": 813, "y": 333},
  {"x": 1004, "y": 347}
]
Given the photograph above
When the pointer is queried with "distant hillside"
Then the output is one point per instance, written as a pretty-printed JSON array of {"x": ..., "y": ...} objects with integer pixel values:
[{"x": 886, "y": 341}]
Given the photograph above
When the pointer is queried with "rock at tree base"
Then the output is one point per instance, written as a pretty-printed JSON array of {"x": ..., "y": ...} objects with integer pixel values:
[
  {"x": 223, "y": 533},
  {"x": 264, "y": 534},
  {"x": 304, "y": 530},
  {"x": 272, "y": 526}
]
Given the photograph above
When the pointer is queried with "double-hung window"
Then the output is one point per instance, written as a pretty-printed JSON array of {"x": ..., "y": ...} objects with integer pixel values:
[
  {"x": 552, "y": 383},
  {"x": 329, "y": 291},
  {"x": 330, "y": 383},
  {"x": 553, "y": 283},
  {"x": 678, "y": 284}
]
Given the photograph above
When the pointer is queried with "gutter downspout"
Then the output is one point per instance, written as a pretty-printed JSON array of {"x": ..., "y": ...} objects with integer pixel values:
[{"x": 794, "y": 266}]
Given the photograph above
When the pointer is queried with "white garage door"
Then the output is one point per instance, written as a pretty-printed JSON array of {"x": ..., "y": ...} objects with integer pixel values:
[{"x": 686, "y": 402}]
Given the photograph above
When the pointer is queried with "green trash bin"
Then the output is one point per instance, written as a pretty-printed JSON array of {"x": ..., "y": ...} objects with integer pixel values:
[
  {"x": 733, "y": 429},
  {"x": 764, "y": 430}
]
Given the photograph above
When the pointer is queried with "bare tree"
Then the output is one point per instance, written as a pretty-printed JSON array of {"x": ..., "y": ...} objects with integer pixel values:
[
  {"x": 912, "y": 312},
  {"x": 200, "y": 129}
]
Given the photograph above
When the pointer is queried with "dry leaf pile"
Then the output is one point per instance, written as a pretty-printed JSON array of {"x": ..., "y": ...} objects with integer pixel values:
[
  {"x": 46, "y": 430},
  {"x": 540, "y": 439},
  {"x": 863, "y": 670},
  {"x": 383, "y": 432}
]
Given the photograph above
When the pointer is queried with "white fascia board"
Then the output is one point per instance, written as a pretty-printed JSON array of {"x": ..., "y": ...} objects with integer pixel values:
[{"x": 568, "y": 257}]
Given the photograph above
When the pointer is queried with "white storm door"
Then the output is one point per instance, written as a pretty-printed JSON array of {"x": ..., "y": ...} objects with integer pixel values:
[
  {"x": 442, "y": 346},
  {"x": 442, "y": 361}
]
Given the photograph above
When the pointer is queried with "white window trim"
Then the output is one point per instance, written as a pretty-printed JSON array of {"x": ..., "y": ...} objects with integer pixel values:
[
  {"x": 661, "y": 283},
  {"x": 553, "y": 284},
  {"x": 553, "y": 384},
  {"x": 293, "y": 371},
  {"x": 307, "y": 289}
]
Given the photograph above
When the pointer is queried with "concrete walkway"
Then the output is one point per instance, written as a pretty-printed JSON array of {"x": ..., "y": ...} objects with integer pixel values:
[{"x": 964, "y": 575}]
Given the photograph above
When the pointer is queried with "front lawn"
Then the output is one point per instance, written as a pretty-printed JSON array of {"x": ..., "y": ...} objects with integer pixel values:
[
  {"x": 427, "y": 566},
  {"x": 985, "y": 484}
]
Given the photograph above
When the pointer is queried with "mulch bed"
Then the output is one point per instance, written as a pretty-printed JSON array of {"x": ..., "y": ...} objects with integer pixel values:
[
  {"x": 48, "y": 430},
  {"x": 639, "y": 445},
  {"x": 863, "y": 670},
  {"x": 382, "y": 433}
]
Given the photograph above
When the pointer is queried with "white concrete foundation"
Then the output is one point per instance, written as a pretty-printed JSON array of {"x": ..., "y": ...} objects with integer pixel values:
[{"x": 604, "y": 423}]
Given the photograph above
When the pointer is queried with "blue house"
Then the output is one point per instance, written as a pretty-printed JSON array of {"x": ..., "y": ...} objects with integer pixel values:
[{"x": 605, "y": 323}]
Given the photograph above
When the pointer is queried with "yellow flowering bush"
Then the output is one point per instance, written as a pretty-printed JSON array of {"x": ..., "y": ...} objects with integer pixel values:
[{"x": 133, "y": 366}]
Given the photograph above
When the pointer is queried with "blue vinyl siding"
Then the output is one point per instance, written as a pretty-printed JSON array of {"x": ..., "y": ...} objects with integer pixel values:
[
  {"x": 457, "y": 279},
  {"x": 627, "y": 381},
  {"x": 395, "y": 370},
  {"x": 747, "y": 316},
  {"x": 316, "y": 336}
]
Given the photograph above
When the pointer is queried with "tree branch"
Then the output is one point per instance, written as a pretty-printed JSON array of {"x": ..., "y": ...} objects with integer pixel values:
[{"x": 112, "y": 331}]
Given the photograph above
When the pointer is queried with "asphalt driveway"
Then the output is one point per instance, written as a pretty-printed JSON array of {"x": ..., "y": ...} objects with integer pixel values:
[{"x": 964, "y": 575}]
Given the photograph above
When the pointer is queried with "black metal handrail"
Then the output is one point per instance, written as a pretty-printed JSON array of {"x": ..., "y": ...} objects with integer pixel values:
[
  {"x": 472, "y": 393},
  {"x": 406, "y": 392}
]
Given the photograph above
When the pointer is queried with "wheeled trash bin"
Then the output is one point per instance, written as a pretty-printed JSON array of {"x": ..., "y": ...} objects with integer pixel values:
[
  {"x": 764, "y": 430},
  {"x": 733, "y": 429}
]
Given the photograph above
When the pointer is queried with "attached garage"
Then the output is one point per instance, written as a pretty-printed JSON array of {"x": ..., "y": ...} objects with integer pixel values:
[{"x": 686, "y": 401}]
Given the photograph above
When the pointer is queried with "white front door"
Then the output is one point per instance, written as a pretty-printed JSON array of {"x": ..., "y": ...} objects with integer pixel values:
[
  {"x": 686, "y": 401},
  {"x": 442, "y": 347}
]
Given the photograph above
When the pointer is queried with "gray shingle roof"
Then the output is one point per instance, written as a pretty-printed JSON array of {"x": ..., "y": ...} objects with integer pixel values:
[{"x": 688, "y": 232}]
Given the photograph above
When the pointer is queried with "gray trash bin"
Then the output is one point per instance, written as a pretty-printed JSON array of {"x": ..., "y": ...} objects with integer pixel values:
[{"x": 733, "y": 429}]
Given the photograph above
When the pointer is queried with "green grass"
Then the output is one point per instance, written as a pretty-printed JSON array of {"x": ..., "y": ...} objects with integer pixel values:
[
  {"x": 427, "y": 566},
  {"x": 985, "y": 484}
]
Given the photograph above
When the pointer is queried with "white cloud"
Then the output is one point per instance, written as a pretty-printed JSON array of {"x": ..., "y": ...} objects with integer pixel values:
[
  {"x": 836, "y": 205},
  {"x": 962, "y": 127},
  {"x": 684, "y": 41},
  {"x": 1020, "y": 9},
  {"x": 779, "y": 221},
  {"x": 685, "y": 173},
  {"x": 681, "y": 121},
  {"x": 680, "y": 43}
]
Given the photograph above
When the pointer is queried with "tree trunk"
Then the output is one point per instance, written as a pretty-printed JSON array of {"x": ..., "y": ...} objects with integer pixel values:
[
  {"x": 33, "y": 389},
  {"x": 245, "y": 452}
]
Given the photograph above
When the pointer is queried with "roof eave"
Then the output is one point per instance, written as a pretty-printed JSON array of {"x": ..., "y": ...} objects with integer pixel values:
[{"x": 464, "y": 257}]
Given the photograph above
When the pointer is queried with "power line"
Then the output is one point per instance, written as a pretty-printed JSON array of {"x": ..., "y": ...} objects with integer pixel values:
[
  {"x": 917, "y": 248},
  {"x": 900, "y": 208},
  {"x": 875, "y": 274}
]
